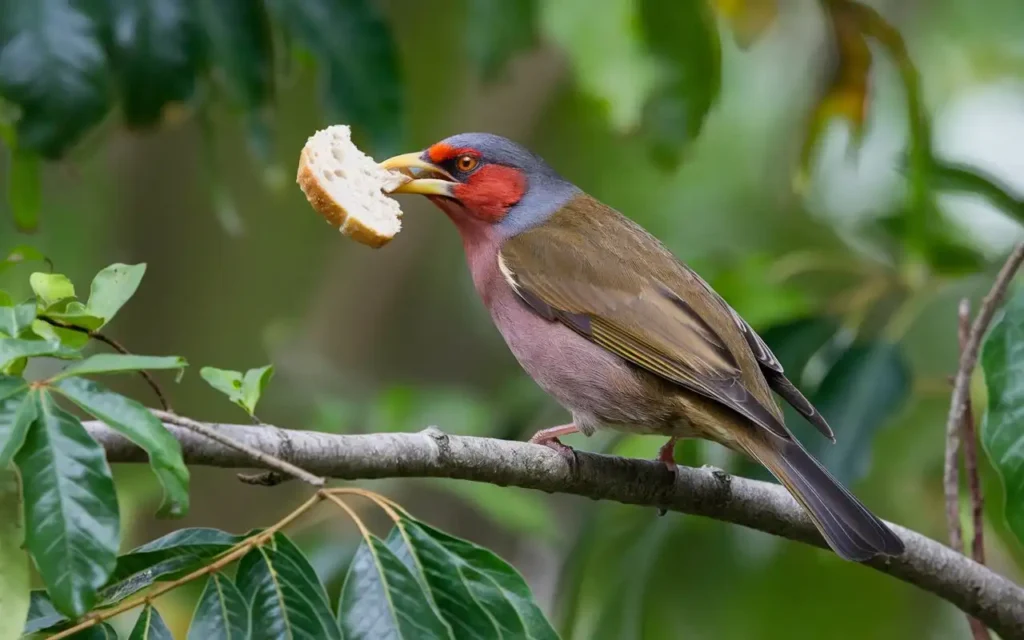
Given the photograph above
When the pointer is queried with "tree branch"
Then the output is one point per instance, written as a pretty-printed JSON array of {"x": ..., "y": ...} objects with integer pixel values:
[{"x": 995, "y": 600}]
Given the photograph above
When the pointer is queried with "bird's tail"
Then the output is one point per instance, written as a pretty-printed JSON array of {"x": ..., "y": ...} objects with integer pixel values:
[{"x": 852, "y": 531}]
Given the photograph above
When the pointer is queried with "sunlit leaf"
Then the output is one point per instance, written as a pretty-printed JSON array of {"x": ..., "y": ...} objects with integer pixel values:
[
  {"x": 477, "y": 593},
  {"x": 242, "y": 389},
  {"x": 284, "y": 594},
  {"x": 53, "y": 67},
  {"x": 749, "y": 19},
  {"x": 683, "y": 38},
  {"x": 112, "y": 287},
  {"x": 253, "y": 384},
  {"x": 71, "y": 513},
  {"x": 17, "y": 412},
  {"x": 51, "y": 288},
  {"x": 135, "y": 422},
  {"x": 12, "y": 349},
  {"x": 155, "y": 55},
  {"x": 1002, "y": 432},
  {"x": 367, "y": 95},
  {"x": 71, "y": 339},
  {"x": 222, "y": 612},
  {"x": 15, "y": 584},
  {"x": 119, "y": 363},
  {"x": 74, "y": 314},
  {"x": 17, "y": 319},
  {"x": 150, "y": 626},
  {"x": 165, "y": 558},
  {"x": 24, "y": 188},
  {"x": 497, "y": 30},
  {"x": 607, "y": 54}
]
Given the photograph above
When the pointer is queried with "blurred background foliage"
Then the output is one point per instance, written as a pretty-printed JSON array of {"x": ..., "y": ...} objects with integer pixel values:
[{"x": 841, "y": 173}]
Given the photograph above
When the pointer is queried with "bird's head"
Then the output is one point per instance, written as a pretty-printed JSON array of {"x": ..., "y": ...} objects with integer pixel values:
[{"x": 484, "y": 180}]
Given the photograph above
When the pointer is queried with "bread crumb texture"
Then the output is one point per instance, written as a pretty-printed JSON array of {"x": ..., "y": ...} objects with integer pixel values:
[{"x": 347, "y": 187}]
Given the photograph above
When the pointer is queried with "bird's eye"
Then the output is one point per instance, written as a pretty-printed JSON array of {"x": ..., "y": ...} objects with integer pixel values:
[{"x": 466, "y": 162}]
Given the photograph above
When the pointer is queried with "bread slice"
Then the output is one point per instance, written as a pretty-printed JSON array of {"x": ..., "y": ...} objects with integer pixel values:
[{"x": 347, "y": 187}]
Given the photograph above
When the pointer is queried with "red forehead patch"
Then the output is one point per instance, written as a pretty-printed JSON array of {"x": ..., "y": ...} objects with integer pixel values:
[{"x": 442, "y": 152}]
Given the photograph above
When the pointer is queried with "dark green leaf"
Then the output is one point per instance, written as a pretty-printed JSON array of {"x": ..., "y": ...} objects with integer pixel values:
[
  {"x": 24, "y": 188},
  {"x": 101, "y": 631},
  {"x": 41, "y": 613},
  {"x": 15, "y": 582},
  {"x": 156, "y": 56},
  {"x": 284, "y": 595},
  {"x": 240, "y": 46},
  {"x": 865, "y": 387},
  {"x": 51, "y": 288},
  {"x": 136, "y": 423},
  {"x": 71, "y": 514},
  {"x": 1002, "y": 432},
  {"x": 497, "y": 30},
  {"x": 112, "y": 287},
  {"x": 17, "y": 412},
  {"x": 477, "y": 593},
  {"x": 222, "y": 612},
  {"x": 12, "y": 349},
  {"x": 382, "y": 598},
  {"x": 358, "y": 65},
  {"x": 150, "y": 626},
  {"x": 167, "y": 557},
  {"x": 53, "y": 67},
  {"x": 119, "y": 363},
  {"x": 953, "y": 177},
  {"x": 17, "y": 319},
  {"x": 683, "y": 36},
  {"x": 11, "y": 385}
]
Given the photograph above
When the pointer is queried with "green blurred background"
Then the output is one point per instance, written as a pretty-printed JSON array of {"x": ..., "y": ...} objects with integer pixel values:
[{"x": 241, "y": 272}]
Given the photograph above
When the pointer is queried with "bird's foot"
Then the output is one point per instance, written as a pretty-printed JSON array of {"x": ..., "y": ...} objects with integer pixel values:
[
  {"x": 549, "y": 438},
  {"x": 667, "y": 455}
]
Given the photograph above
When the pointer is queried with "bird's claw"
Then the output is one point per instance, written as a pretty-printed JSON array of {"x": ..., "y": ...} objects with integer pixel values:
[{"x": 567, "y": 452}]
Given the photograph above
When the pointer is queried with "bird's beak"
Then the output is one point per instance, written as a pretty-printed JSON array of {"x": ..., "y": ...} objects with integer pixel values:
[{"x": 407, "y": 163}]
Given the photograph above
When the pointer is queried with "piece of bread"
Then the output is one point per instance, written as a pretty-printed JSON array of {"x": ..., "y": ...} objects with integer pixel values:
[{"x": 347, "y": 187}]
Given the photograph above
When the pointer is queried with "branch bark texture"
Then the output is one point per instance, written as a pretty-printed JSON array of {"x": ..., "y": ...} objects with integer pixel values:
[{"x": 930, "y": 565}]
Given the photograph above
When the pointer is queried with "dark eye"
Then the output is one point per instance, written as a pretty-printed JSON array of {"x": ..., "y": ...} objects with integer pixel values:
[{"x": 466, "y": 162}]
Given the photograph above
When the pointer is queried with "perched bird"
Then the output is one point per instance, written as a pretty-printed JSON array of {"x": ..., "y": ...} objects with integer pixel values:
[{"x": 619, "y": 331}]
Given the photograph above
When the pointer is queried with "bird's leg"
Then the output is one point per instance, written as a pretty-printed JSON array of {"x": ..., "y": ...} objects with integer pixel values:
[
  {"x": 667, "y": 455},
  {"x": 549, "y": 438}
]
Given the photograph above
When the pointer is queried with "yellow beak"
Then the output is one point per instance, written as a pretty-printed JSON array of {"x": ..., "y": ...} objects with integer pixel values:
[{"x": 423, "y": 186}]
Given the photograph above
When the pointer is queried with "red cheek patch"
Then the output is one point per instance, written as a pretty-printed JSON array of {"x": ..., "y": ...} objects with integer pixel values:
[{"x": 492, "y": 191}]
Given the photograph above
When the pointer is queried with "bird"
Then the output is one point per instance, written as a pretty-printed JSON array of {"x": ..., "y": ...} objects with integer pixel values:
[{"x": 619, "y": 331}]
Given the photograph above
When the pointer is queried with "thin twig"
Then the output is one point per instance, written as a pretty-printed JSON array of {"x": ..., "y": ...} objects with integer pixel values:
[
  {"x": 120, "y": 348},
  {"x": 229, "y": 556},
  {"x": 970, "y": 453},
  {"x": 263, "y": 458}
]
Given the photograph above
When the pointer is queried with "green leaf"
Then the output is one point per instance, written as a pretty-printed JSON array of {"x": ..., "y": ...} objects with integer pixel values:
[
  {"x": 23, "y": 253},
  {"x": 119, "y": 363},
  {"x": 155, "y": 55},
  {"x": 12, "y": 349},
  {"x": 150, "y": 626},
  {"x": 73, "y": 313},
  {"x": 962, "y": 178},
  {"x": 72, "y": 340},
  {"x": 101, "y": 631},
  {"x": 240, "y": 45},
  {"x": 168, "y": 557},
  {"x": 51, "y": 288},
  {"x": 41, "y": 613},
  {"x": 136, "y": 423},
  {"x": 382, "y": 598},
  {"x": 71, "y": 514},
  {"x": 17, "y": 319},
  {"x": 498, "y": 30},
  {"x": 359, "y": 72},
  {"x": 476, "y": 592},
  {"x": 222, "y": 612},
  {"x": 683, "y": 37},
  {"x": 1002, "y": 432},
  {"x": 606, "y": 53},
  {"x": 17, "y": 412},
  {"x": 112, "y": 287},
  {"x": 53, "y": 67},
  {"x": 284, "y": 594},
  {"x": 15, "y": 585},
  {"x": 24, "y": 188},
  {"x": 244, "y": 390}
]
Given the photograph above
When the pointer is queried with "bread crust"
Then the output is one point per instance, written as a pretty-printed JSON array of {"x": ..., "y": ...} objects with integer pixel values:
[{"x": 324, "y": 204}]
